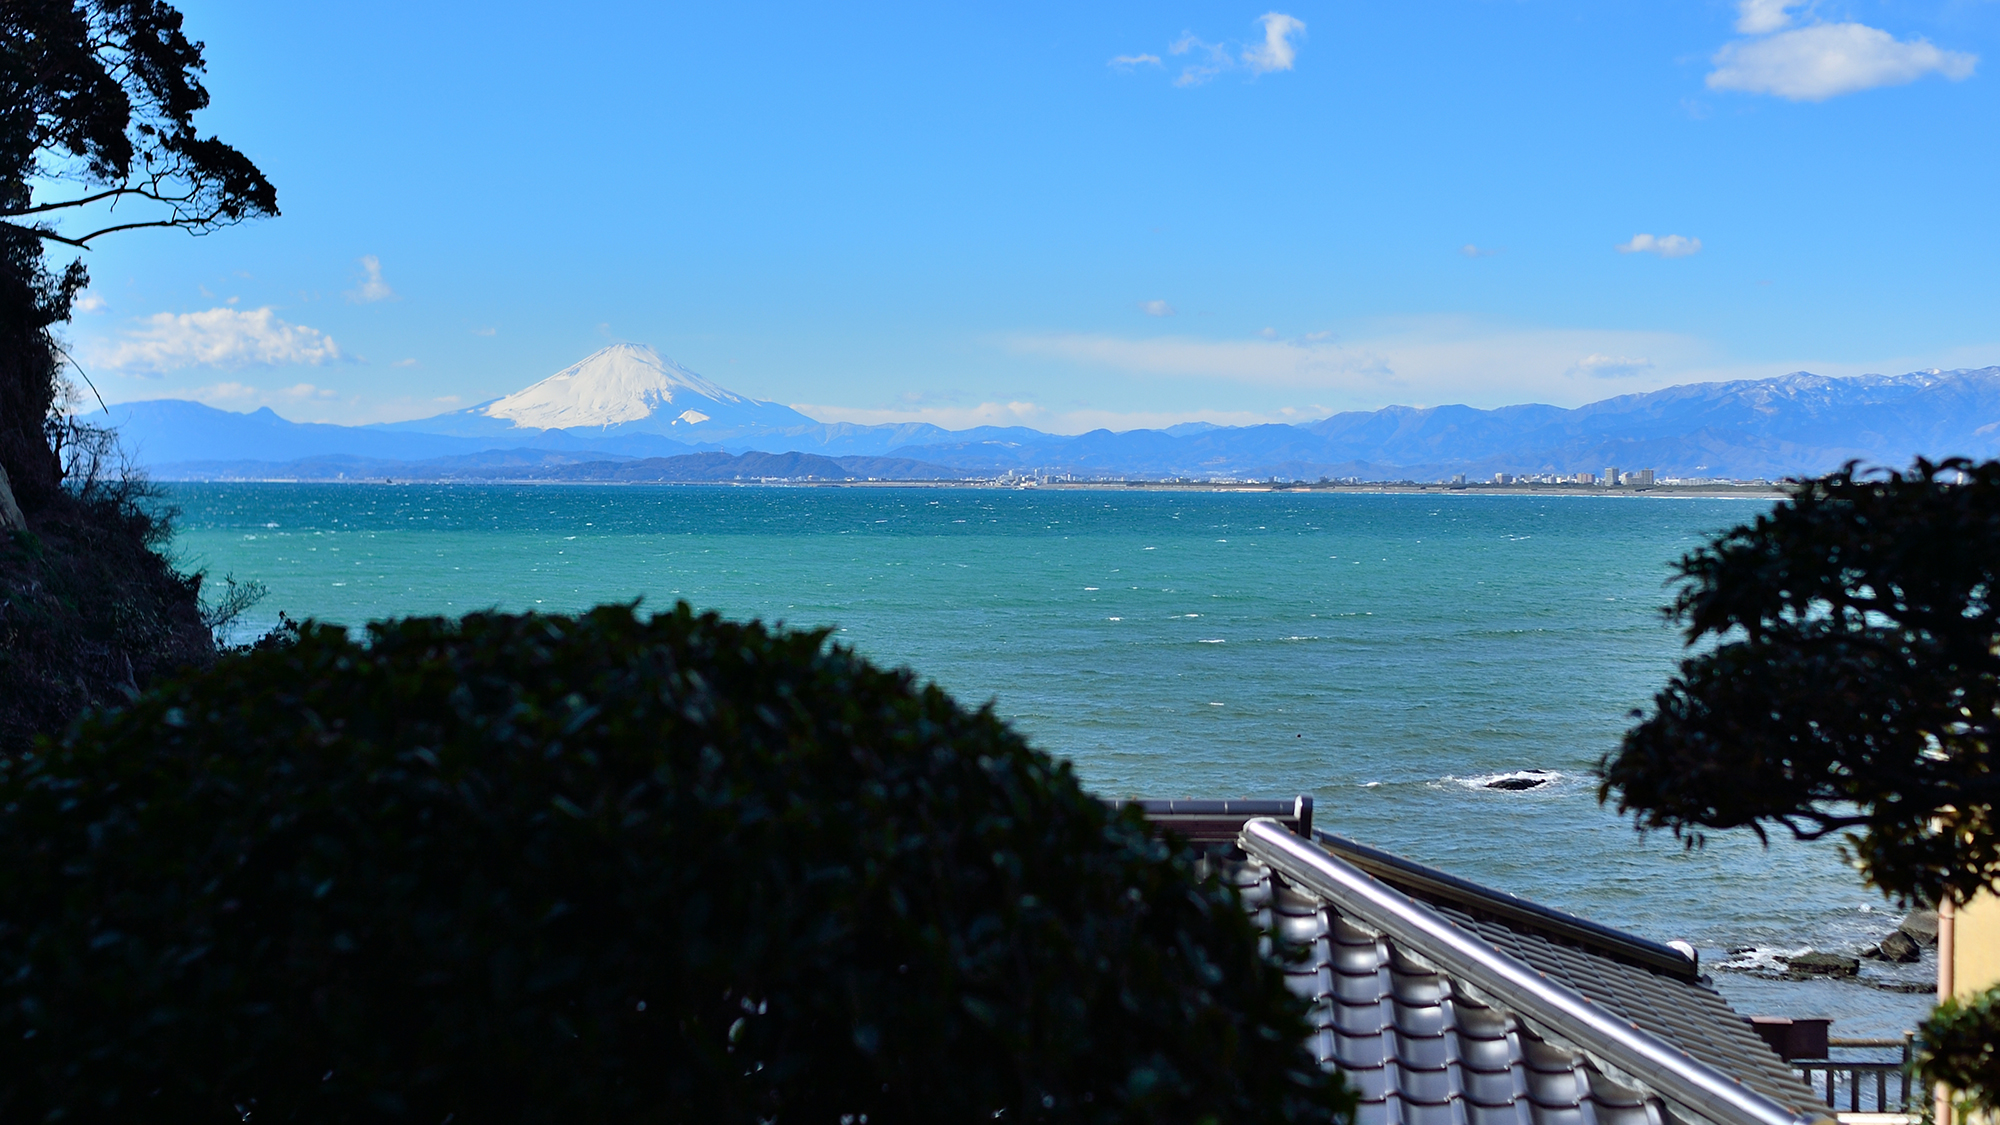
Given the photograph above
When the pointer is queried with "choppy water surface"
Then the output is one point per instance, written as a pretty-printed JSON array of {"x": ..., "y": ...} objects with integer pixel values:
[{"x": 1389, "y": 654}]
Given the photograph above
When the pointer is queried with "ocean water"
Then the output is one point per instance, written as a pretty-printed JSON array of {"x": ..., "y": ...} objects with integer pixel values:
[{"x": 1389, "y": 654}]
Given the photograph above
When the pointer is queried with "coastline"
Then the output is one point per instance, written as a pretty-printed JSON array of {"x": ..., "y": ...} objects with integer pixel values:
[{"x": 1759, "y": 491}]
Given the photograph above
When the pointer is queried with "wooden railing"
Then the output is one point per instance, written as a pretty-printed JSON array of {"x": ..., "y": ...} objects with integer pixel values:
[{"x": 1865, "y": 1085}]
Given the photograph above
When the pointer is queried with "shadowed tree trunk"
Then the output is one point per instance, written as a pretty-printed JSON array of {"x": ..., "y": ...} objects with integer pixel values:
[{"x": 30, "y": 301}]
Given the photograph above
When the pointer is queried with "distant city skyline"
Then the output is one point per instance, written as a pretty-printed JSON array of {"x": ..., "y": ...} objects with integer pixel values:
[{"x": 1124, "y": 217}]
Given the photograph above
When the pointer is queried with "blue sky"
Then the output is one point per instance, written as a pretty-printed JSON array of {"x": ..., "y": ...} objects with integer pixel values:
[{"x": 1129, "y": 215}]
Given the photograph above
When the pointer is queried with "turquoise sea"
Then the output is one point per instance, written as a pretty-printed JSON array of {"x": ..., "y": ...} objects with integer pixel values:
[{"x": 1388, "y": 653}]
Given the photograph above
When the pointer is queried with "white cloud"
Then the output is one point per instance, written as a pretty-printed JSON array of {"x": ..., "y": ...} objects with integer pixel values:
[
  {"x": 411, "y": 362},
  {"x": 1472, "y": 250},
  {"x": 1610, "y": 366},
  {"x": 373, "y": 288},
  {"x": 484, "y": 331},
  {"x": 1156, "y": 308},
  {"x": 1268, "y": 333},
  {"x": 1761, "y": 17},
  {"x": 89, "y": 302},
  {"x": 219, "y": 337},
  {"x": 1821, "y": 61},
  {"x": 1666, "y": 245},
  {"x": 1277, "y": 51}
]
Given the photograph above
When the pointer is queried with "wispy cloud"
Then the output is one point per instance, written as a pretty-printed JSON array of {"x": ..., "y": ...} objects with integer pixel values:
[
  {"x": 951, "y": 417},
  {"x": 1666, "y": 245},
  {"x": 219, "y": 337},
  {"x": 1073, "y": 420},
  {"x": 372, "y": 287},
  {"x": 1435, "y": 360},
  {"x": 1206, "y": 59},
  {"x": 1278, "y": 49},
  {"x": 235, "y": 395},
  {"x": 1423, "y": 361},
  {"x": 1472, "y": 250},
  {"x": 1818, "y": 61},
  {"x": 299, "y": 402},
  {"x": 1156, "y": 308},
  {"x": 89, "y": 302}
]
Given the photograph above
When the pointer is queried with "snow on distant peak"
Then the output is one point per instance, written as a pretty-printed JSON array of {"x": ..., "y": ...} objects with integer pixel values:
[{"x": 621, "y": 383}]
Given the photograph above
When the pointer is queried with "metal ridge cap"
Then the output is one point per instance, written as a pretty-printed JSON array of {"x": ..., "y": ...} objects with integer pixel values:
[
  {"x": 1295, "y": 807},
  {"x": 1650, "y": 953},
  {"x": 1671, "y": 1071}
]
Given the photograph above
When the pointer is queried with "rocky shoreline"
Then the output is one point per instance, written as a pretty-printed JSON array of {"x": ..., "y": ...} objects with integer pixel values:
[{"x": 1912, "y": 942}]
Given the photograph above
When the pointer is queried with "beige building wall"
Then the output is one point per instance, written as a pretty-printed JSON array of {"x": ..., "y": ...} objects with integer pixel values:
[
  {"x": 1968, "y": 964},
  {"x": 1975, "y": 961}
]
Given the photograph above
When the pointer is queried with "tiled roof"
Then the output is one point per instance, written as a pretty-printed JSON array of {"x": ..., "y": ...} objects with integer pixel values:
[{"x": 1446, "y": 1004}]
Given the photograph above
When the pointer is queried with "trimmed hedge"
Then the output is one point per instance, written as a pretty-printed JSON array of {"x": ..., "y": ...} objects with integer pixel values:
[{"x": 606, "y": 868}]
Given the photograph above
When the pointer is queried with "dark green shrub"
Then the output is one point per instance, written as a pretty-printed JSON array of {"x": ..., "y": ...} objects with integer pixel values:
[
  {"x": 605, "y": 869},
  {"x": 1956, "y": 1045}
]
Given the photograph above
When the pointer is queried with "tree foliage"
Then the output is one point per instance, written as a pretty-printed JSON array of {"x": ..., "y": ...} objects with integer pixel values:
[
  {"x": 1956, "y": 1046},
  {"x": 1852, "y": 686},
  {"x": 1853, "y": 683},
  {"x": 607, "y": 868},
  {"x": 101, "y": 94},
  {"x": 97, "y": 105}
]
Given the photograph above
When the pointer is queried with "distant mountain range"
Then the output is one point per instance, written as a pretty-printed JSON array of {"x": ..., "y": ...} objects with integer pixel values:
[{"x": 625, "y": 406}]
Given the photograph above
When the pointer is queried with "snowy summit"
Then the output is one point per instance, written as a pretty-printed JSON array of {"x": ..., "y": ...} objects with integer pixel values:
[{"x": 622, "y": 383}]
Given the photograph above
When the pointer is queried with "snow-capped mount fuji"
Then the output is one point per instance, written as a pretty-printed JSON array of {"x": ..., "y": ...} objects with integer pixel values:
[{"x": 622, "y": 389}]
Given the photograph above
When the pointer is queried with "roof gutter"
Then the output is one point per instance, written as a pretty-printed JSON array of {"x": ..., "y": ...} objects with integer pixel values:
[{"x": 1561, "y": 1010}]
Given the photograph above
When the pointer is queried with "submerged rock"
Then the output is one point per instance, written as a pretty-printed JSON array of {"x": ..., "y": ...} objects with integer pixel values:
[
  {"x": 1817, "y": 964},
  {"x": 1526, "y": 779}
]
